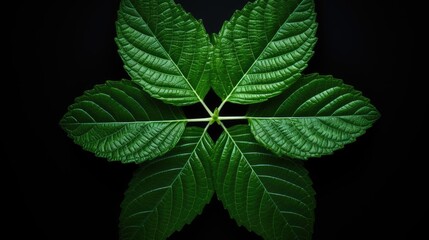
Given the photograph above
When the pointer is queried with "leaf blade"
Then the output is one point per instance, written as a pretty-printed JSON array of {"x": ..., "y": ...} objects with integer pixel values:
[
  {"x": 118, "y": 121},
  {"x": 316, "y": 116},
  {"x": 168, "y": 192},
  {"x": 271, "y": 196},
  {"x": 263, "y": 49},
  {"x": 164, "y": 49}
]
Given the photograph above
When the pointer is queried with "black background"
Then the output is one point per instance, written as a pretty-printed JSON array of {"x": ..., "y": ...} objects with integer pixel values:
[{"x": 372, "y": 189}]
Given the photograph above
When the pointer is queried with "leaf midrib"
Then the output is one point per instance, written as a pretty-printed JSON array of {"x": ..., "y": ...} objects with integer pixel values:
[
  {"x": 254, "y": 172},
  {"x": 256, "y": 60},
  {"x": 173, "y": 182},
  {"x": 175, "y": 64},
  {"x": 125, "y": 123},
  {"x": 308, "y": 117}
]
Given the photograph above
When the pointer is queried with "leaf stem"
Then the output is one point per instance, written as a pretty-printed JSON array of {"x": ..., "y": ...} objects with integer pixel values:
[
  {"x": 233, "y": 118},
  {"x": 225, "y": 129},
  {"x": 220, "y": 118},
  {"x": 221, "y": 105},
  {"x": 205, "y": 106},
  {"x": 199, "y": 119}
]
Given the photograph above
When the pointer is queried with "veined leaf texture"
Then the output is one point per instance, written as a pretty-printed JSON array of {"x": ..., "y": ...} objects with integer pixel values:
[
  {"x": 263, "y": 49},
  {"x": 164, "y": 49},
  {"x": 120, "y": 122},
  {"x": 168, "y": 192},
  {"x": 315, "y": 116},
  {"x": 268, "y": 195},
  {"x": 258, "y": 59}
]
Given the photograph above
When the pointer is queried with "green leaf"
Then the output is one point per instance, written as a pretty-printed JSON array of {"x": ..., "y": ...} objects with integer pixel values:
[
  {"x": 263, "y": 49},
  {"x": 118, "y": 121},
  {"x": 164, "y": 49},
  {"x": 169, "y": 192},
  {"x": 268, "y": 195},
  {"x": 315, "y": 116}
]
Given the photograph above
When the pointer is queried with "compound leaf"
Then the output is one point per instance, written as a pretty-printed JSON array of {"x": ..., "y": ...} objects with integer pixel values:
[
  {"x": 120, "y": 122},
  {"x": 164, "y": 49},
  {"x": 263, "y": 49},
  {"x": 268, "y": 195},
  {"x": 314, "y": 117},
  {"x": 168, "y": 192}
]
